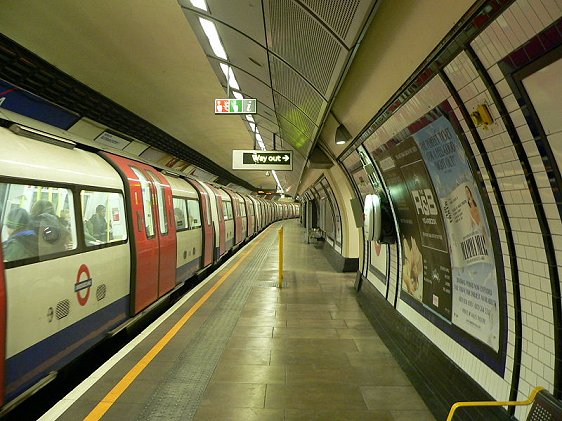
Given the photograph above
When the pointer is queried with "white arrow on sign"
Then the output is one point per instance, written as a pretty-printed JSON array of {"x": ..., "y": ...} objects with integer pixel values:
[{"x": 285, "y": 158}]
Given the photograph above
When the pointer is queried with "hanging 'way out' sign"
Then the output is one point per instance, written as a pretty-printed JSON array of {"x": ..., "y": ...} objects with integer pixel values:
[{"x": 262, "y": 160}]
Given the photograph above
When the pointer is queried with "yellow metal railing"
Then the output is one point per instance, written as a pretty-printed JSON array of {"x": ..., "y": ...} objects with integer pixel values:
[
  {"x": 280, "y": 232},
  {"x": 529, "y": 401}
]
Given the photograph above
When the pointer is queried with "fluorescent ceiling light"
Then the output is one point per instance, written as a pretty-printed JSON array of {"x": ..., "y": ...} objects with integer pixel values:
[
  {"x": 279, "y": 187},
  {"x": 214, "y": 39},
  {"x": 252, "y": 126},
  {"x": 340, "y": 142},
  {"x": 200, "y": 4},
  {"x": 250, "y": 117},
  {"x": 238, "y": 95},
  {"x": 226, "y": 69}
]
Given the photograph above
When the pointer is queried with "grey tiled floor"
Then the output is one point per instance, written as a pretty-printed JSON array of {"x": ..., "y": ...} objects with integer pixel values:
[
  {"x": 307, "y": 351},
  {"x": 304, "y": 352}
]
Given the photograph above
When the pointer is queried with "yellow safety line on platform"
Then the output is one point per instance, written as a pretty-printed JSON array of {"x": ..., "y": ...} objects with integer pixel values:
[{"x": 109, "y": 399}]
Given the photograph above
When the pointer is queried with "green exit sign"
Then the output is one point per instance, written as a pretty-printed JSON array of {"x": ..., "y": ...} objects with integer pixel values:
[{"x": 235, "y": 106}]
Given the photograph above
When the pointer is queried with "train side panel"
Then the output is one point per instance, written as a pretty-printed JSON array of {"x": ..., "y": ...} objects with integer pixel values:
[
  {"x": 250, "y": 216},
  {"x": 189, "y": 231},
  {"x": 208, "y": 234},
  {"x": 64, "y": 288},
  {"x": 218, "y": 220},
  {"x": 150, "y": 229},
  {"x": 228, "y": 217}
]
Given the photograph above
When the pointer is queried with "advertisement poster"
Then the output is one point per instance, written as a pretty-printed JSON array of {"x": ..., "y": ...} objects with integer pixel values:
[
  {"x": 378, "y": 260},
  {"x": 475, "y": 306},
  {"x": 426, "y": 264}
]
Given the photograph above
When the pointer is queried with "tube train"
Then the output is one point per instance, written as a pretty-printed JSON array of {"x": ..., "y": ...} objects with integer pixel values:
[{"x": 91, "y": 240}]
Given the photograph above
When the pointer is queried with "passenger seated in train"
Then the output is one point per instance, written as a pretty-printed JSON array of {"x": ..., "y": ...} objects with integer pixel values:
[
  {"x": 22, "y": 240},
  {"x": 52, "y": 236},
  {"x": 100, "y": 227}
]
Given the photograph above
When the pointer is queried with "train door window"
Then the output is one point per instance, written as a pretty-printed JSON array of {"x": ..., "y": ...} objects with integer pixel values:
[
  {"x": 38, "y": 222},
  {"x": 194, "y": 214},
  {"x": 207, "y": 202},
  {"x": 161, "y": 201},
  {"x": 229, "y": 210},
  {"x": 224, "y": 210},
  {"x": 103, "y": 214},
  {"x": 146, "y": 203},
  {"x": 242, "y": 208},
  {"x": 180, "y": 214}
]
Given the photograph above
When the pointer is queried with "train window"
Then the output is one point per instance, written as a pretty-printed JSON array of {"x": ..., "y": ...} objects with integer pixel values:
[
  {"x": 229, "y": 212},
  {"x": 180, "y": 214},
  {"x": 242, "y": 209},
  {"x": 194, "y": 214},
  {"x": 38, "y": 222},
  {"x": 161, "y": 198},
  {"x": 103, "y": 214},
  {"x": 224, "y": 211},
  {"x": 146, "y": 203},
  {"x": 208, "y": 206}
]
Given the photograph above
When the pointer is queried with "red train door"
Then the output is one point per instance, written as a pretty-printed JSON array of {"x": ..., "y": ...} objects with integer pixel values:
[
  {"x": 237, "y": 218},
  {"x": 250, "y": 215},
  {"x": 222, "y": 225},
  {"x": 166, "y": 232},
  {"x": 3, "y": 306},
  {"x": 207, "y": 232},
  {"x": 144, "y": 220}
]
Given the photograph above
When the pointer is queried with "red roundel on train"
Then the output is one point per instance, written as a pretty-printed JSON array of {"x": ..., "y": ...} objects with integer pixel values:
[{"x": 83, "y": 284}]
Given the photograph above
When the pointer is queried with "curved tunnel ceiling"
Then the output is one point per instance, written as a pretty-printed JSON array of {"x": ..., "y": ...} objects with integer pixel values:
[{"x": 288, "y": 54}]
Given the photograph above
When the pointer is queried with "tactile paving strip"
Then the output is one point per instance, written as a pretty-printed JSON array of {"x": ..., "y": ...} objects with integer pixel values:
[{"x": 179, "y": 394}]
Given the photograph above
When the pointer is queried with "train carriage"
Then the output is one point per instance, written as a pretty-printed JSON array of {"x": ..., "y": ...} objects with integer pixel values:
[
  {"x": 228, "y": 217},
  {"x": 93, "y": 239},
  {"x": 234, "y": 213},
  {"x": 241, "y": 217},
  {"x": 208, "y": 230},
  {"x": 66, "y": 286},
  {"x": 250, "y": 215},
  {"x": 154, "y": 233},
  {"x": 217, "y": 216},
  {"x": 189, "y": 223}
]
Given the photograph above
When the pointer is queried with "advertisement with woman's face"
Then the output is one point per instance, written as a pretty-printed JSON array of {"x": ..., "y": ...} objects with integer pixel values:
[{"x": 475, "y": 286}]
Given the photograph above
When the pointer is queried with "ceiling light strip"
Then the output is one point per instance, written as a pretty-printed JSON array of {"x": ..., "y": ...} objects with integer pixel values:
[{"x": 213, "y": 36}]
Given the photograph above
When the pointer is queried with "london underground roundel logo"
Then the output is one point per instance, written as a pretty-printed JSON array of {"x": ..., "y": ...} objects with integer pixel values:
[{"x": 83, "y": 282}]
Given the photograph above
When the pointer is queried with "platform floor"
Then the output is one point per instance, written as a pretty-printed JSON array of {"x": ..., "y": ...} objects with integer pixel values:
[{"x": 253, "y": 351}]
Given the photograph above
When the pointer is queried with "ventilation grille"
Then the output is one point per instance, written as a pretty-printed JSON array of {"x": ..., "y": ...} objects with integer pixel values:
[
  {"x": 292, "y": 86},
  {"x": 303, "y": 43},
  {"x": 63, "y": 309},
  {"x": 337, "y": 14},
  {"x": 293, "y": 135},
  {"x": 100, "y": 292},
  {"x": 288, "y": 111}
]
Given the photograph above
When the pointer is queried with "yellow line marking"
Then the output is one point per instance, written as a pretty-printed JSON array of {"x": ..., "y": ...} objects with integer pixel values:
[{"x": 109, "y": 399}]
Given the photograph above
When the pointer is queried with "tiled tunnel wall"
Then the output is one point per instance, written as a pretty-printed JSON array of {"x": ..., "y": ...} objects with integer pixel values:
[{"x": 507, "y": 58}]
